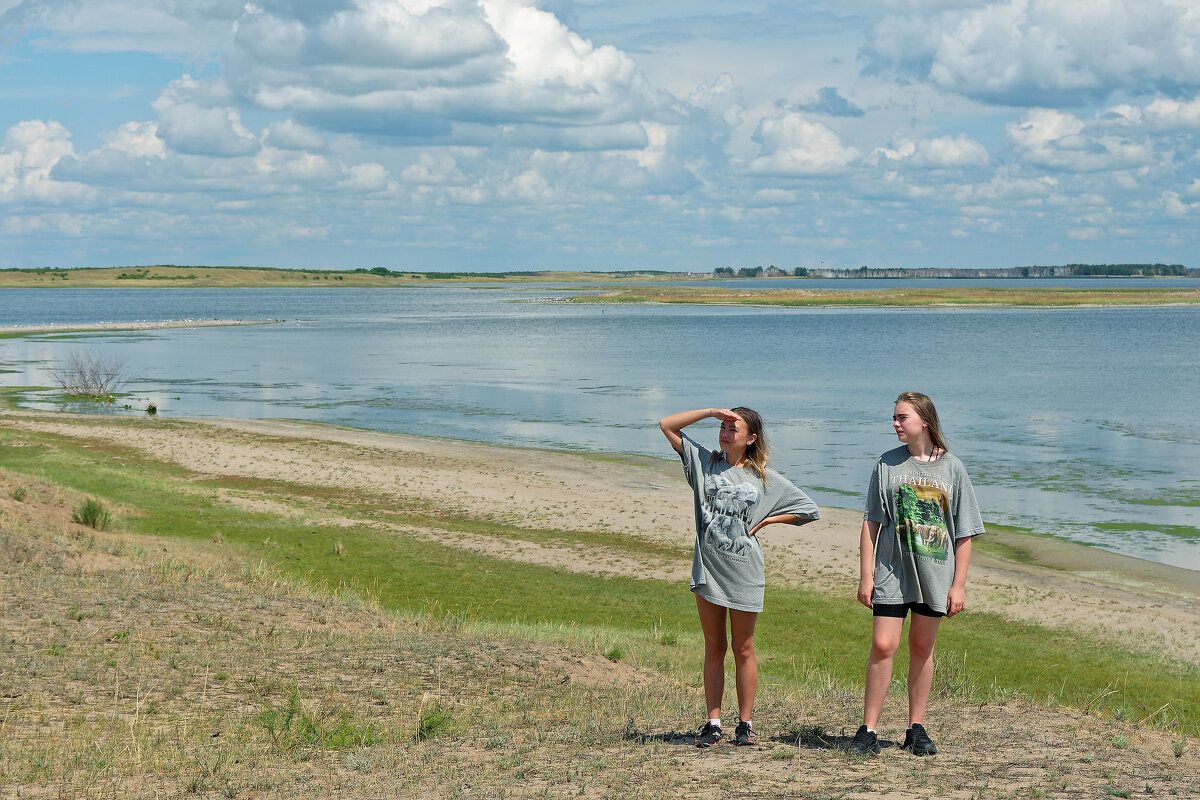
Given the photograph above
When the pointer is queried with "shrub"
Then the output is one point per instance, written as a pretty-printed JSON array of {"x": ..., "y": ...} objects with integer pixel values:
[
  {"x": 89, "y": 374},
  {"x": 92, "y": 513}
]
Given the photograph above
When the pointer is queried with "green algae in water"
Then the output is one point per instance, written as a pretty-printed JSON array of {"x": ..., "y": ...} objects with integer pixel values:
[{"x": 1182, "y": 531}]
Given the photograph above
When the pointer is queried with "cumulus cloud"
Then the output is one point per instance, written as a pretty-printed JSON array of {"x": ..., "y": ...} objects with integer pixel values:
[
  {"x": 191, "y": 129},
  {"x": 942, "y": 152},
  {"x": 1043, "y": 52},
  {"x": 1161, "y": 115},
  {"x": 177, "y": 29},
  {"x": 291, "y": 135},
  {"x": 1051, "y": 138},
  {"x": 27, "y": 157},
  {"x": 792, "y": 146},
  {"x": 830, "y": 101},
  {"x": 426, "y": 68}
]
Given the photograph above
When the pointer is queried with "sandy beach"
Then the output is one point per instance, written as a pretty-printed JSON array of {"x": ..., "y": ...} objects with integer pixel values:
[{"x": 1148, "y": 606}]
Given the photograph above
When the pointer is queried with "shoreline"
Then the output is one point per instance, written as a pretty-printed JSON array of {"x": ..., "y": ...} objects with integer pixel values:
[
  {"x": 1036, "y": 550},
  {"x": 141, "y": 325},
  {"x": 643, "y": 502}
]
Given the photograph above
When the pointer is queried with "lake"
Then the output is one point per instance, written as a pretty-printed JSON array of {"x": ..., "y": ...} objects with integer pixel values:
[{"x": 1079, "y": 423}]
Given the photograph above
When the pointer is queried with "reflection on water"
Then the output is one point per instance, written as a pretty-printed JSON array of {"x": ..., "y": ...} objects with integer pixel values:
[{"x": 1079, "y": 423}]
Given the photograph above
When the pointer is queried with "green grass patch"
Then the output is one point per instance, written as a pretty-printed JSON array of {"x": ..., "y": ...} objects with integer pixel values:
[
  {"x": 1184, "y": 531},
  {"x": 804, "y": 638}
]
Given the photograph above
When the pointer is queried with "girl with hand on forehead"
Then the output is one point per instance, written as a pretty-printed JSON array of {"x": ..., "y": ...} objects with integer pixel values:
[
  {"x": 914, "y": 549},
  {"x": 735, "y": 495}
]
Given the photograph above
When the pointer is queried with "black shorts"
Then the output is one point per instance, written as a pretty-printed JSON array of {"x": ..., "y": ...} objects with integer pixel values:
[{"x": 900, "y": 610}]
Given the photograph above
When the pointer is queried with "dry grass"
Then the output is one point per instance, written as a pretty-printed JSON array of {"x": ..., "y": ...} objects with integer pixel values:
[{"x": 142, "y": 667}]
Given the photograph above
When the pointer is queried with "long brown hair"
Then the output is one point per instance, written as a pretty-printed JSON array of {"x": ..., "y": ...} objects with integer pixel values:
[
  {"x": 757, "y": 452},
  {"x": 924, "y": 407}
]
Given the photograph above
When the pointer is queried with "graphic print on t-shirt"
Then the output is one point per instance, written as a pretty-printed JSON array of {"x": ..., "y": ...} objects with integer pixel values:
[
  {"x": 921, "y": 520},
  {"x": 726, "y": 514}
]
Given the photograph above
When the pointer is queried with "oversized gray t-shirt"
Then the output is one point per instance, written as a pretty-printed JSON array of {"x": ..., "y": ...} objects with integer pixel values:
[
  {"x": 727, "y": 563},
  {"x": 923, "y": 507}
]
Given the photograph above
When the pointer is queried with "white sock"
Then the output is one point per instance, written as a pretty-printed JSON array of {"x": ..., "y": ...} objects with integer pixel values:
[
  {"x": 872, "y": 730},
  {"x": 748, "y": 722},
  {"x": 716, "y": 723}
]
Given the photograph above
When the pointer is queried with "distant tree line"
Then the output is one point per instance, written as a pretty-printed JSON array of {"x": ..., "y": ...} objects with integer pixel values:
[
  {"x": 758, "y": 272},
  {"x": 1063, "y": 271},
  {"x": 1126, "y": 270},
  {"x": 384, "y": 272}
]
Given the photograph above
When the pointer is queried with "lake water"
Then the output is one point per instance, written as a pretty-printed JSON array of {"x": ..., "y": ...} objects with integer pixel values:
[{"x": 1080, "y": 423}]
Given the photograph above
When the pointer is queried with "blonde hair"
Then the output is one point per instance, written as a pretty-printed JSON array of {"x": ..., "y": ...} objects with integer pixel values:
[
  {"x": 924, "y": 407},
  {"x": 757, "y": 452}
]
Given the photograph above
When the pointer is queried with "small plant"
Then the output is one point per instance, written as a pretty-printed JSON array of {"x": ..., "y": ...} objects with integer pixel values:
[
  {"x": 89, "y": 375},
  {"x": 338, "y": 550},
  {"x": 1120, "y": 741},
  {"x": 614, "y": 653},
  {"x": 218, "y": 538},
  {"x": 1178, "y": 746},
  {"x": 430, "y": 722},
  {"x": 19, "y": 494},
  {"x": 92, "y": 513},
  {"x": 152, "y": 408}
]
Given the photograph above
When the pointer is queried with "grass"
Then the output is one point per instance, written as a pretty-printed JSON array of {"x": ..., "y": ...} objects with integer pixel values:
[
  {"x": 151, "y": 660},
  {"x": 92, "y": 513},
  {"x": 1050, "y": 296},
  {"x": 621, "y": 618}
]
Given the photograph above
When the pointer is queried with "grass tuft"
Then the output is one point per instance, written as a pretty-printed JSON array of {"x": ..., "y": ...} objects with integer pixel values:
[{"x": 93, "y": 514}]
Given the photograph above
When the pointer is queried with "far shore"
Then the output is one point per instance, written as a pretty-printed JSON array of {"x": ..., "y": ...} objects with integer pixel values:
[
  {"x": 895, "y": 298},
  {"x": 1031, "y": 578}
]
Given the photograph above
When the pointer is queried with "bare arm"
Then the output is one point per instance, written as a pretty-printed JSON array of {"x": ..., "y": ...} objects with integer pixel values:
[
  {"x": 773, "y": 520},
  {"x": 956, "y": 598},
  {"x": 866, "y": 561},
  {"x": 673, "y": 425}
]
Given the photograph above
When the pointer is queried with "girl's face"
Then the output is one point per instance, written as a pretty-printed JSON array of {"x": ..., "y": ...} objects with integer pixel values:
[
  {"x": 908, "y": 424},
  {"x": 735, "y": 434}
]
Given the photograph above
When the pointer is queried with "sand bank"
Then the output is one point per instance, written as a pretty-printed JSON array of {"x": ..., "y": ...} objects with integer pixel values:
[{"x": 140, "y": 325}]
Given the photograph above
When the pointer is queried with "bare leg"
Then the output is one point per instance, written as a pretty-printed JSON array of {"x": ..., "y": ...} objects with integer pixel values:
[
  {"x": 745, "y": 664},
  {"x": 712, "y": 623},
  {"x": 885, "y": 639},
  {"x": 922, "y": 635}
]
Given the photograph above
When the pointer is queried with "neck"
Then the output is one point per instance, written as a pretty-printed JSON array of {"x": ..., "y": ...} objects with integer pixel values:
[
  {"x": 735, "y": 457},
  {"x": 921, "y": 450}
]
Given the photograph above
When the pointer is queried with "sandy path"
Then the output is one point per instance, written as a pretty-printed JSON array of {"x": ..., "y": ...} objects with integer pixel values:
[{"x": 1155, "y": 607}]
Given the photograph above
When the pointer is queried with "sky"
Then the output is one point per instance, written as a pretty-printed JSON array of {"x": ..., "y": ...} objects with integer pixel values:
[{"x": 499, "y": 135}]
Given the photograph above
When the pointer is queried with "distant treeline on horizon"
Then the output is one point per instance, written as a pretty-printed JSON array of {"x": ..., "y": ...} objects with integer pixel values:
[
  {"x": 772, "y": 271},
  {"x": 1064, "y": 271}
]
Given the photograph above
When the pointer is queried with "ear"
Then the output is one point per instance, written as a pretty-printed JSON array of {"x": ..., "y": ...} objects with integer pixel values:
[{"x": 753, "y": 439}]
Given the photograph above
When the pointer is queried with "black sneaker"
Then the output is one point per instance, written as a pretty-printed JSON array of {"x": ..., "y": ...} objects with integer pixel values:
[
  {"x": 865, "y": 742},
  {"x": 918, "y": 741},
  {"x": 709, "y": 735},
  {"x": 744, "y": 734}
]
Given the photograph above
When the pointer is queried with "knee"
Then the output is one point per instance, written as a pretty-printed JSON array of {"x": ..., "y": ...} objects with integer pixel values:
[
  {"x": 920, "y": 649},
  {"x": 883, "y": 647},
  {"x": 716, "y": 648},
  {"x": 743, "y": 649}
]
